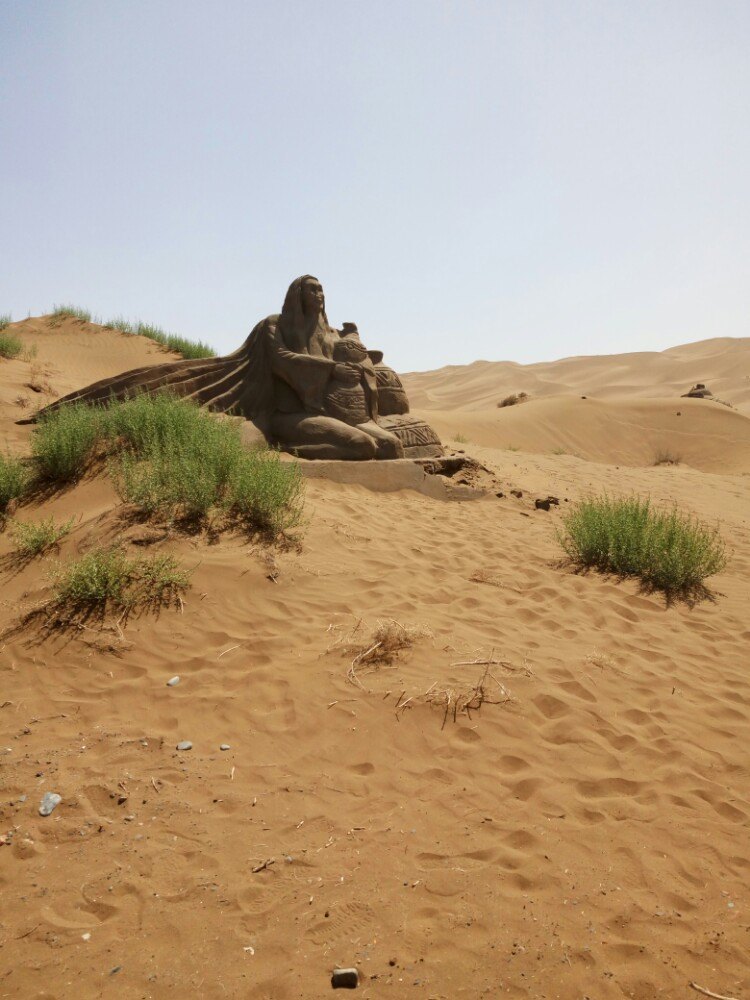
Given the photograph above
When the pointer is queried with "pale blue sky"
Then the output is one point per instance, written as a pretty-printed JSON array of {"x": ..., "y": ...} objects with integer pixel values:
[{"x": 469, "y": 179}]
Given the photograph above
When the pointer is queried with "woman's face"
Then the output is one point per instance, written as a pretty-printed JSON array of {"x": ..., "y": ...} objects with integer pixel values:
[{"x": 313, "y": 300}]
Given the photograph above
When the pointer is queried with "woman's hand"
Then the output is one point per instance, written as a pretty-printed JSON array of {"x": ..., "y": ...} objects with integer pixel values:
[{"x": 348, "y": 374}]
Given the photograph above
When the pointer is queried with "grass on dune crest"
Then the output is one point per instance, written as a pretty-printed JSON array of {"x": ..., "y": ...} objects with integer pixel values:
[
  {"x": 5, "y": 320},
  {"x": 170, "y": 341},
  {"x": 108, "y": 578},
  {"x": 665, "y": 549},
  {"x": 71, "y": 312},
  {"x": 171, "y": 459}
]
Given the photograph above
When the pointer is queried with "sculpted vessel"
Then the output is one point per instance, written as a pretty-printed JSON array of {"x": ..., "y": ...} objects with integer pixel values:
[{"x": 311, "y": 389}]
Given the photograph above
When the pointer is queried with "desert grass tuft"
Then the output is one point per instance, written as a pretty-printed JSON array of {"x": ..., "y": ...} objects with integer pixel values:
[
  {"x": 5, "y": 320},
  {"x": 169, "y": 341},
  {"x": 665, "y": 549},
  {"x": 108, "y": 578},
  {"x": 32, "y": 538},
  {"x": 64, "y": 441},
  {"x": 120, "y": 323},
  {"x": 14, "y": 479},
  {"x": 10, "y": 346},
  {"x": 71, "y": 312}
]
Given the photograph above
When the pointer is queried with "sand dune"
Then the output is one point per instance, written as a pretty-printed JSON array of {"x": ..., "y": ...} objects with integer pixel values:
[
  {"x": 696, "y": 432},
  {"x": 723, "y": 364},
  {"x": 585, "y": 835}
]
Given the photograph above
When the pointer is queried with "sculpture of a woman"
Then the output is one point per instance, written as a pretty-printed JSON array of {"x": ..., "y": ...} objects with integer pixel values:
[{"x": 309, "y": 388}]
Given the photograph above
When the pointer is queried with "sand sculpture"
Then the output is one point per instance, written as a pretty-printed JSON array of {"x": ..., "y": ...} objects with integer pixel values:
[{"x": 311, "y": 389}]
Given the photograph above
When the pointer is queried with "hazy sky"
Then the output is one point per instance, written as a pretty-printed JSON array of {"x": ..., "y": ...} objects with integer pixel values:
[{"x": 469, "y": 179}]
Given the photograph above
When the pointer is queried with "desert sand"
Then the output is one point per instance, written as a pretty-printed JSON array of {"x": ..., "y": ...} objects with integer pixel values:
[{"x": 587, "y": 834}]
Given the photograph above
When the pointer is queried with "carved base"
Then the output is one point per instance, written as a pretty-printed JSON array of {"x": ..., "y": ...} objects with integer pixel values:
[{"x": 416, "y": 435}]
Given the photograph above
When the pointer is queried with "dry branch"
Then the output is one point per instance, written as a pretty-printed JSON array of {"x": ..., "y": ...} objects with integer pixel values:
[{"x": 709, "y": 993}]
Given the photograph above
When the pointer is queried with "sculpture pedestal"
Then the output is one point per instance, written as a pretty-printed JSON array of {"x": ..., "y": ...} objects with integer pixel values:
[{"x": 389, "y": 476}]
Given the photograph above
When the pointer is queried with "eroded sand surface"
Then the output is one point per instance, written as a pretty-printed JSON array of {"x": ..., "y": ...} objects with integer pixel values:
[{"x": 588, "y": 837}]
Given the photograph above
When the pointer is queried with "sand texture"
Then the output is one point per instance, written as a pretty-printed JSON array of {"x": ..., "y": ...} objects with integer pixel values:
[{"x": 584, "y": 833}]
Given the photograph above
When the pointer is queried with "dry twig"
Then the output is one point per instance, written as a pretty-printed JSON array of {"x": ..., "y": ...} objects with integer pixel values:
[
  {"x": 455, "y": 701},
  {"x": 709, "y": 993}
]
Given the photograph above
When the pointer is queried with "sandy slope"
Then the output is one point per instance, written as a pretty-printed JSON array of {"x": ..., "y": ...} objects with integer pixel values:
[{"x": 588, "y": 837}]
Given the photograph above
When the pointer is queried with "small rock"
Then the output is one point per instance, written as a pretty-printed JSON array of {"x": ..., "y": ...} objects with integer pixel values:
[
  {"x": 517, "y": 494},
  {"x": 345, "y": 979},
  {"x": 173, "y": 682},
  {"x": 21, "y": 798},
  {"x": 185, "y": 745},
  {"x": 86, "y": 936},
  {"x": 541, "y": 504},
  {"x": 50, "y": 801},
  {"x": 225, "y": 746},
  {"x": 113, "y": 972}
]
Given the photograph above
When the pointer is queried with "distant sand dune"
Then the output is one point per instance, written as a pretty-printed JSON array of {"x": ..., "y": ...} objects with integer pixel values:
[
  {"x": 705, "y": 435},
  {"x": 723, "y": 364}
]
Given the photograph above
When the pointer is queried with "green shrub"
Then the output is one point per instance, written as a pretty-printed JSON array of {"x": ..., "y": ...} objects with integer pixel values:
[
  {"x": 181, "y": 485},
  {"x": 64, "y": 441},
  {"x": 10, "y": 346},
  {"x": 5, "y": 320},
  {"x": 108, "y": 577},
  {"x": 181, "y": 462},
  {"x": 168, "y": 457},
  {"x": 668, "y": 550},
  {"x": 14, "y": 478},
  {"x": 34, "y": 537},
  {"x": 266, "y": 493},
  {"x": 71, "y": 312}
]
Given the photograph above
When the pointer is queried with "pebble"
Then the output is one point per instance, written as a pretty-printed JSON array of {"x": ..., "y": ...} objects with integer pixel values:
[
  {"x": 173, "y": 682},
  {"x": 21, "y": 798},
  {"x": 225, "y": 746},
  {"x": 345, "y": 979},
  {"x": 185, "y": 745},
  {"x": 50, "y": 801}
]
